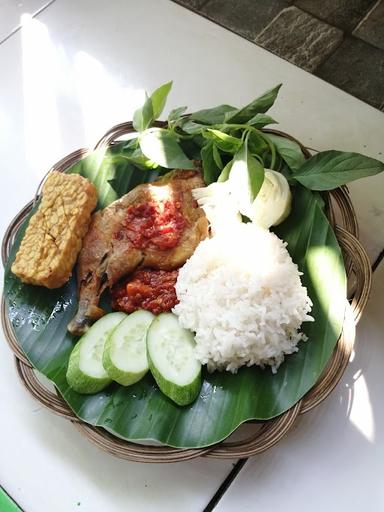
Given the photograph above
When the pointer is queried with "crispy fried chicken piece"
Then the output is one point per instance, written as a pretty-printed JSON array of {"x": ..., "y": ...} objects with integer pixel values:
[{"x": 156, "y": 225}]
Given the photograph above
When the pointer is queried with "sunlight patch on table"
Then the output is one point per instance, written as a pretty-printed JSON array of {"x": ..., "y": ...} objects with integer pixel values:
[
  {"x": 4, "y": 125},
  {"x": 40, "y": 70},
  {"x": 102, "y": 99},
  {"x": 361, "y": 414}
]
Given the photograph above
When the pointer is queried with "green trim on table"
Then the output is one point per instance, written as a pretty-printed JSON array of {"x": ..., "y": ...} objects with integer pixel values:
[{"x": 6, "y": 503}]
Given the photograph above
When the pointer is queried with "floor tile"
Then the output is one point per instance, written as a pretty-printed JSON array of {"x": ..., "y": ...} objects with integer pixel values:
[
  {"x": 344, "y": 14},
  {"x": 300, "y": 38},
  {"x": 11, "y": 12},
  {"x": 245, "y": 17},
  {"x": 371, "y": 29},
  {"x": 356, "y": 58},
  {"x": 334, "y": 458}
]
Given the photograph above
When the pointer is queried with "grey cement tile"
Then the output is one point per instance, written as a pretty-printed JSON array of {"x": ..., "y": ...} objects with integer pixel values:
[
  {"x": 371, "y": 28},
  {"x": 245, "y": 17},
  {"x": 300, "y": 38},
  {"x": 357, "y": 68},
  {"x": 344, "y": 14}
]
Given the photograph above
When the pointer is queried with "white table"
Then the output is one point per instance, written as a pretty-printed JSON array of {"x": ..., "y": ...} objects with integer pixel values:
[{"x": 72, "y": 72}]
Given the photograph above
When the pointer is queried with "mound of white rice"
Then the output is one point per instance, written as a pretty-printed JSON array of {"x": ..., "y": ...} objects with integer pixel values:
[{"x": 241, "y": 294}]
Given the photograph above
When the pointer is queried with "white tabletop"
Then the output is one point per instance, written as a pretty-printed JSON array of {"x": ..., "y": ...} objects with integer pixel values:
[{"x": 67, "y": 76}]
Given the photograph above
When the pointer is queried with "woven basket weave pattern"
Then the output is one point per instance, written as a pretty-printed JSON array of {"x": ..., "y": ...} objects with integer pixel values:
[{"x": 342, "y": 218}]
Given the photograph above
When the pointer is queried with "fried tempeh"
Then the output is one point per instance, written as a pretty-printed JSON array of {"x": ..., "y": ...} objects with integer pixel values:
[{"x": 53, "y": 238}]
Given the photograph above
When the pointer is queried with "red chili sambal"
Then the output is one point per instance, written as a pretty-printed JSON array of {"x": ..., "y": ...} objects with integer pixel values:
[
  {"x": 156, "y": 224},
  {"x": 153, "y": 290}
]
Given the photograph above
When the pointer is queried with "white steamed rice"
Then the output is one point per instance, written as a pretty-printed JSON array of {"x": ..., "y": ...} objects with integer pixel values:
[{"x": 241, "y": 294}]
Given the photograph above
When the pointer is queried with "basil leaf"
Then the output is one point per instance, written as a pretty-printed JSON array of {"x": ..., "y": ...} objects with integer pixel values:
[
  {"x": 139, "y": 160},
  {"x": 175, "y": 114},
  {"x": 217, "y": 156},
  {"x": 130, "y": 144},
  {"x": 121, "y": 154},
  {"x": 259, "y": 105},
  {"x": 159, "y": 98},
  {"x": 289, "y": 151},
  {"x": 190, "y": 127},
  {"x": 223, "y": 141},
  {"x": 330, "y": 169},
  {"x": 286, "y": 172},
  {"x": 224, "y": 175},
  {"x": 211, "y": 170},
  {"x": 256, "y": 143},
  {"x": 261, "y": 120},
  {"x": 192, "y": 148},
  {"x": 212, "y": 115},
  {"x": 143, "y": 116},
  {"x": 162, "y": 147},
  {"x": 255, "y": 176},
  {"x": 246, "y": 168}
]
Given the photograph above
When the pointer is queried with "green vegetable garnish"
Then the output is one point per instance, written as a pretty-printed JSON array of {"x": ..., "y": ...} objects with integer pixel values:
[{"x": 222, "y": 135}]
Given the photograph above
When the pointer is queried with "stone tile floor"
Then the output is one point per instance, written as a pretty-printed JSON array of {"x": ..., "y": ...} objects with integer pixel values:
[{"x": 341, "y": 41}]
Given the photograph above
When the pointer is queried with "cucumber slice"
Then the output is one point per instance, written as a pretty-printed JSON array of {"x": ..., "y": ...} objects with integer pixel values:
[
  {"x": 172, "y": 361},
  {"x": 85, "y": 372},
  {"x": 125, "y": 352}
]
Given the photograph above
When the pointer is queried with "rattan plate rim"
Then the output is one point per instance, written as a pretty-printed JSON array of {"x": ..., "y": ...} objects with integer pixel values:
[{"x": 271, "y": 431}]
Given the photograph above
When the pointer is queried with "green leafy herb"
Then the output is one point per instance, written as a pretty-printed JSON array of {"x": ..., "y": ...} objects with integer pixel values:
[
  {"x": 330, "y": 169},
  {"x": 162, "y": 147},
  {"x": 191, "y": 127},
  {"x": 138, "y": 159},
  {"x": 130, "y": 144},
  {"x": 223, "y": 141},
  {"x": 211, "y": 116},
  {"x": 256, "y": 144},
  {"x": 245, "y": 164},
  {"x": 152, "y": 108},
  {"x": 176, "y": 114},
  {"x": 258, "y": 106},
  {"x": 143, "y": 116},
  {"x": 192, "y": 147},
  {"x": 211, "y": 170},
  {"x": 159, "y": 98},
  {"x": 289, "y": 151},
  {"x": 255, "y": 176},
  {"x": 217, "y": 135},
  {"x": 217, "y": 156},
  {"x": 261, "y": 120}
]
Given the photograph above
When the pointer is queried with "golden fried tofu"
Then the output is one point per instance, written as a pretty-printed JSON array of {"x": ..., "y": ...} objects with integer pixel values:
[{"x": 54, "y": 235}]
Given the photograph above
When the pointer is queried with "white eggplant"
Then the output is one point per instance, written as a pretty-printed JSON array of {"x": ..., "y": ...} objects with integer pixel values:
[{"x": 224, "y": 202}]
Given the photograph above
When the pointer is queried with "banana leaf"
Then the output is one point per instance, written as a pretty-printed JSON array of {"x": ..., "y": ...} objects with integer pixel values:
[{"x": 39, "y": 318}]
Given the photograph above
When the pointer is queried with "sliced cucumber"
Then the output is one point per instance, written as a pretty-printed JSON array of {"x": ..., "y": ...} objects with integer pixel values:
[
  {"x": 125, "y": 352},
  {"x": 172, "y": 361},
  {"x": 86, "y": 373}
]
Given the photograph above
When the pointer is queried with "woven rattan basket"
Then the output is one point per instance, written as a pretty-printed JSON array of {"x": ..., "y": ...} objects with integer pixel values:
[{"x": 342, "y": 218}]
